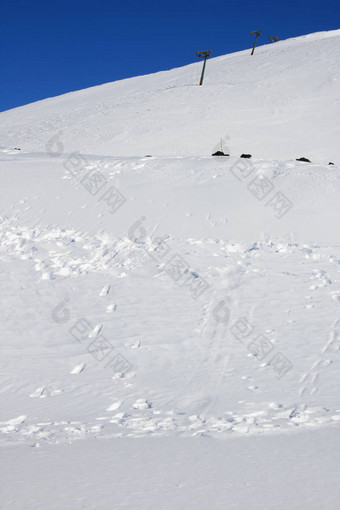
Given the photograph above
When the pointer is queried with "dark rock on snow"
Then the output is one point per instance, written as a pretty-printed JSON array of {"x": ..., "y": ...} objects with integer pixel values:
[
  {"x": 304, "y": 159},
  {"x": 219, "y": 153}
]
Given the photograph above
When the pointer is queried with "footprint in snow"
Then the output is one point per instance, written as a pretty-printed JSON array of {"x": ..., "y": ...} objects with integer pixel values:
[
  {"x": 96, "y": 330},
  {"x": 48, "y": 275},
  {"x": 142, "y": 404},
  {"x": 105, "y": 290},
  {"x": 136, "y": 345},
  {"x": 39, "y": 392},
  {"x": 78, "y": 369},
  {"x": 112, "y": 308},
  {"x": 16, "y": 421}
]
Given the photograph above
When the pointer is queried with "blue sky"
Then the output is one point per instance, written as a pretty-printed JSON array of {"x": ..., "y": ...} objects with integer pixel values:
[{"x": 50, "y": 47}]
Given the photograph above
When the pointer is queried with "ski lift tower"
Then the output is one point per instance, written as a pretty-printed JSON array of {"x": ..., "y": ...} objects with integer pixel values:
[
  {"x": 258, "y": 33},
  {"x": 205, "y": 55}
]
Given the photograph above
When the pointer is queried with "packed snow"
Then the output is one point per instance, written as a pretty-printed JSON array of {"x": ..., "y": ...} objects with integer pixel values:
[{"x": 171, "y": 328}]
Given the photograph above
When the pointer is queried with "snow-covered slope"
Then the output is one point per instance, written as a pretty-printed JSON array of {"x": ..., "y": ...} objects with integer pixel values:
[
  {"x": 179, "y": 295},
  {"x": 282, "y": 103}
]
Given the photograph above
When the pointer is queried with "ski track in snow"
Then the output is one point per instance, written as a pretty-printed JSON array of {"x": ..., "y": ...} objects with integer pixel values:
[
  {"x": 64, "y": 253},
  {"x": 99, "y": 337}
]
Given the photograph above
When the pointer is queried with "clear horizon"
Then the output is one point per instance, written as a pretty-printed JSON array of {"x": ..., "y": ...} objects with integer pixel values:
[{"x": 49, "y": 49}]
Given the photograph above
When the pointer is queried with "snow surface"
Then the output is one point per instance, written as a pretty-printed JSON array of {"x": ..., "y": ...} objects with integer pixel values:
[
  {"x": 283, "y": 103},
  {"x": 171, "y": 332}
]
